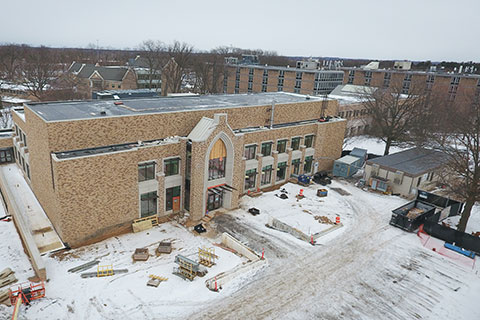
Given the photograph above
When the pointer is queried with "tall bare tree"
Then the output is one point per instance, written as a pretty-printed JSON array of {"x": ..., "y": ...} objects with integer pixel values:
[
  {"x": 154, "y": 58},
  {"x": 456, "y": 132},
  {"x": 394, "y": 112},
  {"x": 209, "y": 69},
  {"x": 176, "y": 69},
  {"x": 10, "y": 58},
  {"x": 39, "y": 70}
]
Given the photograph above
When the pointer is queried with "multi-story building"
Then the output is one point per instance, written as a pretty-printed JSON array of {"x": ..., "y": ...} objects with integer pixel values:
[
  {"x": 95, "y": 166},
  {"x": 351, "y": 106},
  {"x": 449, "y": 84},
  {"x": 307, "y": 79}
]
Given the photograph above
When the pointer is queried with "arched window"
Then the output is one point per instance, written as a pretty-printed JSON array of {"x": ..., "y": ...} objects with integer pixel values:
[{"x": 216, "y": 163}]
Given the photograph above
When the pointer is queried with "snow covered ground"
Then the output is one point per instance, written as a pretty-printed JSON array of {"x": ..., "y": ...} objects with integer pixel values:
[
  {"x": 372, "y": 145},
  {"x": 364, "y": 270}
]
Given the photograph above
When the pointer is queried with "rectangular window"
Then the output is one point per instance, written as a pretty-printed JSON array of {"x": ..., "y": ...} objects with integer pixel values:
[
  {"x": 281, "y": 170},
  {"x": 146, "y": 171},
  {"x": 296, "y": 166},
  {"x": 250, "y": 152},
  {"x": 282, "y": 146},
  {"x": 250, "y": 177},
  {"x": 148, "y": 204},
  {"x": 6, "y": 155},
  {"x": 170, "y": 195},
  {"x": 309, "y": 141},
  {"x": 266, "y": 175},
  {"x": 266, "y": 149},
  {"x": 28, "y": 171},
  {"x": 216, "y": 168},
  {"x": 307, "y": 168},
  {"x": 172, "y": 166},
  {"x": 295, "y": 143}
]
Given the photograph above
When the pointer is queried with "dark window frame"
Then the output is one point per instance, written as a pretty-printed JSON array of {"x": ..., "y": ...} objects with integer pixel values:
[
  {"x": 146, "y": 171},
  {"x": 171, "y": 166}
]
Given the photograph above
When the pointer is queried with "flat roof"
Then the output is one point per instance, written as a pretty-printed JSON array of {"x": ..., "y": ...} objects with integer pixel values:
[{"x": 72, "y": 110}]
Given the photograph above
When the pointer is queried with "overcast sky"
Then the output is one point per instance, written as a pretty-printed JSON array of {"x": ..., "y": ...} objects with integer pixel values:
[{"x": 376, "y": 29}]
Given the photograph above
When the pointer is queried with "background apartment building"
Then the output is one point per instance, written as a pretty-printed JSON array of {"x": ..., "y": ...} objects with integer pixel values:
[
  {"x": 448, "y": 84},
  {"x": 95, "y": 166},
  {"x": 306, "y": 78}
]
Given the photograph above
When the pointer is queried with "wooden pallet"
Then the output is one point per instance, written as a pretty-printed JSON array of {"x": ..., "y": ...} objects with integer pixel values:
[{"x": 158, "y": 277}]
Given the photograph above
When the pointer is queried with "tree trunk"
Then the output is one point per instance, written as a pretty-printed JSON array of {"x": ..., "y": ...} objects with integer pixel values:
[
  {"x": 462, "y": 224},
  {"x": 387, "y": 147}
]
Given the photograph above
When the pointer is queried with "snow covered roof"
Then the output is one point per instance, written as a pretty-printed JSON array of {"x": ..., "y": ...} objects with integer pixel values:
[
  {"x": 202, "y": 130},
  {"x": 412, "y": 162},
  {"x": 70, "y": 110},
  {"x": 347, "y": 159},
  {"x": 85, "y": 70}
]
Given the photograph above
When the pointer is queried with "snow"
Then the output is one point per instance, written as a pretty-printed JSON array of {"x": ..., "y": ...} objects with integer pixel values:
[
  {"x": 371, "y": 144},
  {"x": 296, "y": 213},
  {"x": 364, "y": 270},
  {"x": 473, "y": 224}
]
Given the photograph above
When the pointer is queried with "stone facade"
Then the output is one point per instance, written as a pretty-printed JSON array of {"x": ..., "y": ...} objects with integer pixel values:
[{"x": 95, "y": 195}]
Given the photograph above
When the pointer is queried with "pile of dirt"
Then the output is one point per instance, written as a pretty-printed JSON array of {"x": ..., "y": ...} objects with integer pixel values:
[{"x": 323, "y": 219}]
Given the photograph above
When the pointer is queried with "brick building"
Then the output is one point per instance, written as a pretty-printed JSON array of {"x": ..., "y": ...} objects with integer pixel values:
[
  {"x": 305, "y": 79},
  {"x": 449, "y": 84},
  {"x": 95, "y": 166},
  {"x": 99, "y": 78}
]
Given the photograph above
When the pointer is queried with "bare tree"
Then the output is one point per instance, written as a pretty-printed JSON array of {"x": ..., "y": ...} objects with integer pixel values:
[
  {"x": 209, "y": 69},
  {"x": 457, "y": 134},
  {"x": 394, "y": 112},
  {"x": 39, "y": 70},
  {"x": 10, "y": 57},
  {"x": 154, "y": 58},
  {"x": 175, "y": 71}
]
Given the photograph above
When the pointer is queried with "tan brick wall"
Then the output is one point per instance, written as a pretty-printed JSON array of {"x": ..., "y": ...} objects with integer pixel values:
[
  {"x": 84, "y": 207},
  {"x": 115, "y": 130},
  {"x": 6, "y": 142},
  {"x": 108, "y": 196}
]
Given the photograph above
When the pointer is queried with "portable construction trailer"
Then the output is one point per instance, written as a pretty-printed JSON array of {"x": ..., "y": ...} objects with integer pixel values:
[{"x": 346, "y": 166}]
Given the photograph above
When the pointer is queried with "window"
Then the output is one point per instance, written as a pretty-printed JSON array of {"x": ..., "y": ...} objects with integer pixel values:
[
  {"x": 216, "y": 164},
  {"x": 266, "y": 175},
  {"x": 146, "y": 171},
  {"x": 24, "y": 139},
  {"x": 250, "y": 152},
  {"x": 148, "y": 204},
  {"x": 296, "y": 143},
  {"x": 351, "y": 76},
  {"x": 307, "y": 168},
  {"x": 281, "y": 170},
  {"x": 172, "y": 166},
  {"x": 28, "y": 171},
  {"x": 216, "y": 169},
  {"x": 6, "y": 156},
  {"x": 282, "y": 146},
  {"x": 250, "y": 177},
  {"x": 266, "y": 149},
  {"x": 170, "y": 194},
  {"x": 296, "y": 166}
]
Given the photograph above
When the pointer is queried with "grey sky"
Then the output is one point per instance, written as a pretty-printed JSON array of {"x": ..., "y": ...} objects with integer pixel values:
[{"x": 383, "y": 29}]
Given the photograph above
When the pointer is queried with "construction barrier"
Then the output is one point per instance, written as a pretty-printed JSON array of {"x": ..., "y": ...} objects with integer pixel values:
[{"x": 460, "y": 239}]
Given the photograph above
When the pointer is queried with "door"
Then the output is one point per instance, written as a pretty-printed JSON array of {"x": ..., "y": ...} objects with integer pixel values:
[{"x": 176, "y": 204}]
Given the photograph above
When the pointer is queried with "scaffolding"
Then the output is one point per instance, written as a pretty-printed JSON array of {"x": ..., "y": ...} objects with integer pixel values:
[
  {"x": 207, "y": 256},
  {"x": 187, "y": 269}
]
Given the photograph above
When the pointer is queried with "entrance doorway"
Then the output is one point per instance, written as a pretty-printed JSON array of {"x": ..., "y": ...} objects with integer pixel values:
[{"x": 214, "y": 199}]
